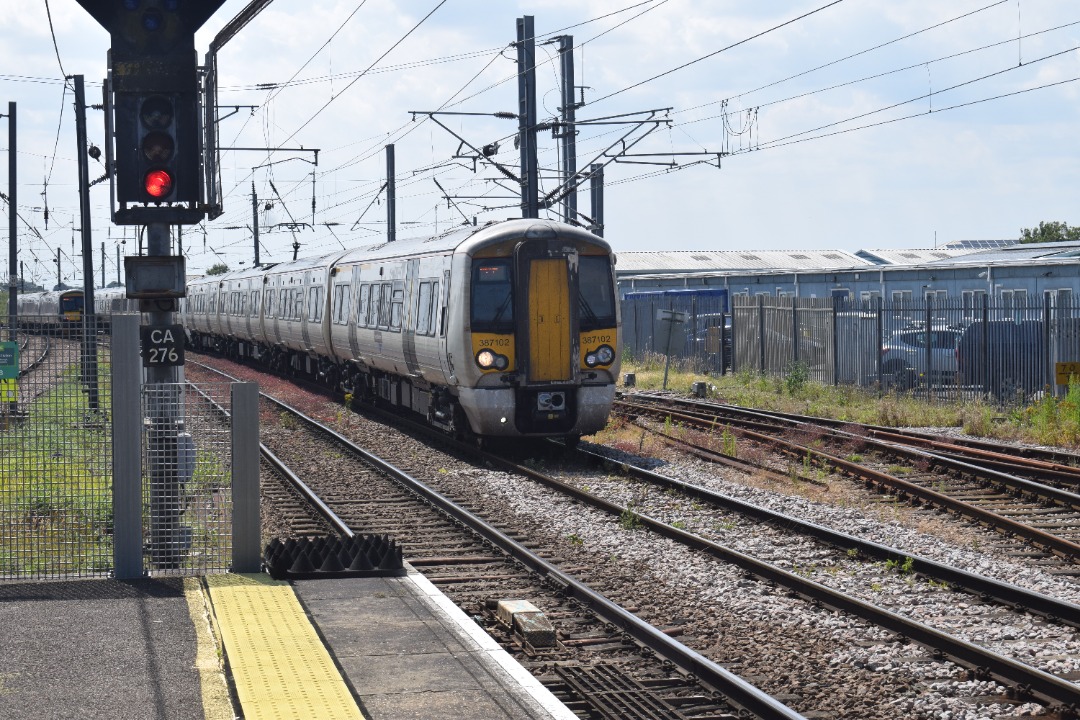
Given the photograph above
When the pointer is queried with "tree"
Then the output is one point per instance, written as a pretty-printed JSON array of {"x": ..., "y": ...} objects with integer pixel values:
[
  {"x": 1050, "y": 232},
  {"x": 219, "y": 269}
]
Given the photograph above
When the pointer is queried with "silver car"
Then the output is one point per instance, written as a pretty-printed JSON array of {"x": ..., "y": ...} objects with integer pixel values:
[{"x": 917, "y": 355}]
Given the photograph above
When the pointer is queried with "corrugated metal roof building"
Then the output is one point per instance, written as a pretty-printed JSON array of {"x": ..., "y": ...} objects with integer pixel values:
[{"x": 686, "y": 261}]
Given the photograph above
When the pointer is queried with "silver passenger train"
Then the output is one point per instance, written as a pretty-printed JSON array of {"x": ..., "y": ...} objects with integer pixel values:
[{"x": 507, "y": 330}]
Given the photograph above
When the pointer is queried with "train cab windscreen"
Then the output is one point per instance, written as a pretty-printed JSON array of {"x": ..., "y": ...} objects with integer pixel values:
[
  {"x": 492, "y": 301},
  {"x": 71, "y": 303},
  {"x": 595, "y": 292}
]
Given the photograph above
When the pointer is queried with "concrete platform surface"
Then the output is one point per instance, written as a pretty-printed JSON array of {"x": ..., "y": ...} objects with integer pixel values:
[{"x": 151, "y": 649}]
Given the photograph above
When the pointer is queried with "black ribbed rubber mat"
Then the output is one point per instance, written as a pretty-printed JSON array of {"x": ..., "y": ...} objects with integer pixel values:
[{"x": 322, "y": 557}]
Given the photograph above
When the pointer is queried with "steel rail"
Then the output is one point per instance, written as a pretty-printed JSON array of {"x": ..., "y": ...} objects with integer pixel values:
[
  {"x": 310, "y": 496},
  {"x": 1004, "y": 593},
  {"x": 741, "y": 693},
  {"x": 1068, "y": 549},
  {"x": 984, "y": 663},
  {"x": 34, "y": 363},
  {"x": 1037, "y": 457}
]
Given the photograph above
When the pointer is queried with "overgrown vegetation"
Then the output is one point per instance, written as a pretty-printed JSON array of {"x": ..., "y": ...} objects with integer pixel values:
[{"x": 1047, "y": 421}]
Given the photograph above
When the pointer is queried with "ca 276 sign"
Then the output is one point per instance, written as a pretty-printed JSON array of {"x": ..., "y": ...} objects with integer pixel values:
[{"x": 162, "y": 345}]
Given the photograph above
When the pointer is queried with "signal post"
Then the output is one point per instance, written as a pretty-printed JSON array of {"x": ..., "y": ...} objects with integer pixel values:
[{"x": 154, "y": 152}]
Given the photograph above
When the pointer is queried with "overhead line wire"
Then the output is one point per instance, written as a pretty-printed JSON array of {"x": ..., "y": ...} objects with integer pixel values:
[
  {"x": 926, "y": 95},
  {"x": 377, "y": 60},
  {"x": 778, "y": 143},
  {"x": 873, "y": 77},
  {"x": 849, "y": 57},
  {"x": 724, "y": 49}
]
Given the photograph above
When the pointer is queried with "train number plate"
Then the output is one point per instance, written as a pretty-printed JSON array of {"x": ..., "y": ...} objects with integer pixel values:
[{"x": 162, "y": 345}]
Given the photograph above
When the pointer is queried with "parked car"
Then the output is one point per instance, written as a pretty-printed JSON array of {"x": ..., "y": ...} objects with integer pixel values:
[
  {"x": 1006, "y": 358},
  {"x": 905, "y": 357}
]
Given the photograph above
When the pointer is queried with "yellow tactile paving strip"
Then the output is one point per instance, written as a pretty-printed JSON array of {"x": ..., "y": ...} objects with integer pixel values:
[{"x": 279, "y": 666}]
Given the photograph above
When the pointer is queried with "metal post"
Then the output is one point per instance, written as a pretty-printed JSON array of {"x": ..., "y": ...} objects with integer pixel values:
[
  {"x": 255, "y": 221},
  {"x": 126, "y": 447},
  {"x": 13, "y": 209},
  {"x": 928, "y": 342},
  {"x": 102, "y": 263},
  {"x": 1048, "y": 376},
  {"x": 569, "y": 130},
  {"x": 761, "y": 332},
  {"x": 168, "y": 539},
  {"x": 671, "y": 333},
  {"x": 835, "y": 341},
  {"x": 880, "y": 341},
  {"x": 246, "y": 519},
  {"x": 794, "y": 331},
  {"x": 596, "y": 195},
  {"x": 526, "y": 60},
  {"x": 985, "y": 360},
  {"x": 117, "y": 266},
  {"x": 89, "y": 343},
  {"x": 391, "y": 196}
]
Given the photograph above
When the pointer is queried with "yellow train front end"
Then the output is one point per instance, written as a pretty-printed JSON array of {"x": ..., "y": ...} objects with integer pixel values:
[{"x": 544, "y": 329}]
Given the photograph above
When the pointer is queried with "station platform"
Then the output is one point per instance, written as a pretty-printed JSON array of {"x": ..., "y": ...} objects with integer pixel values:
[{"x": 227, "y": 646}]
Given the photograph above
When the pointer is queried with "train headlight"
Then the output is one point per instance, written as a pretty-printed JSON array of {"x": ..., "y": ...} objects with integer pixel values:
[
  {"x": 603, "y": 355},
  {"x": 490, "y": 360}
]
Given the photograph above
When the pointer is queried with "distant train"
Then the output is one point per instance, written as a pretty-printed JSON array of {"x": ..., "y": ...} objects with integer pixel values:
[
  {"x": 51, "y": 310},
  {"x": 507, "y": 330},
  {"x": 55, "y": 309}
]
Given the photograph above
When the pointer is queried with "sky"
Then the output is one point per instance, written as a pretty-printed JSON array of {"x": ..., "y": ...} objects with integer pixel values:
[{"x": 839, "y": 125}]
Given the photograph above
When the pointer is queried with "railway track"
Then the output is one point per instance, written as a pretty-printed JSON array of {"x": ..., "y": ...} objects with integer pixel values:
[
  {"x": 1025, "y": 682},
  {"x": 1043, "y": 516},
  {"x": 606, "y": 662}
]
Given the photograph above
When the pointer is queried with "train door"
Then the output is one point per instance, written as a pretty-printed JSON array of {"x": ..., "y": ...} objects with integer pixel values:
[
  {"x": 548, "y": 320},
  {"x": 408, "y": 325},
  {"x": 308, "y": 309},
  {"x": 441, "y": 320}
]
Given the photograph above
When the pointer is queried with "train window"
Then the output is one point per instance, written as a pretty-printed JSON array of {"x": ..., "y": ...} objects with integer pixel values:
[
  {"x": 297, "y": 306},
  {"x": 423, "y": 309},
  {"x": 213, "y": 303},
  {"x": 397, "y": 305},
  {"x": 595, "y": 292},
  {"x": 434, "y": 307},
  {"x": 346, "y": 295},
  {"x": 384, "y": 306},
  {"x": 255, "y": 303},
  {"x": 340, "y": 302},
  {"x": 492, "y": 295},
  {"x": 269, "y": 303},
  {"x": 315, "y": 304},
  {"x": 363, "y": 306}
]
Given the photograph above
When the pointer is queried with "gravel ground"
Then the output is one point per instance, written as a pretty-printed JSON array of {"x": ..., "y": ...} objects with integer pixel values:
[{"x": 833, "y": 665}]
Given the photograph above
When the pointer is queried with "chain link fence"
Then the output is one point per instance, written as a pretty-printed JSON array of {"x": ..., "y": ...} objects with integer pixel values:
[{"x": 56, "y": 461}]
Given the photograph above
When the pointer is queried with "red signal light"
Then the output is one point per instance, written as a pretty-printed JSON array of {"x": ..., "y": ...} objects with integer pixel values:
[{"x": 158, "y": 183}]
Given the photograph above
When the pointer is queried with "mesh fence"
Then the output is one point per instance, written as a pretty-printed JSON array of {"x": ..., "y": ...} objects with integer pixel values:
[
  {"x": 55, "y": 456},
  {"x": 187, "y": 498},
  {"x": 56, "y": 472}
]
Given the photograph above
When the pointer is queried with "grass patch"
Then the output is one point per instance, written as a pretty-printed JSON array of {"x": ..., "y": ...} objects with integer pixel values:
[{"x": 1046, "y": 421}]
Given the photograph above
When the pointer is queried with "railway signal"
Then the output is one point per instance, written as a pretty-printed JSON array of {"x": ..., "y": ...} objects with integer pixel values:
[{"x": 153, "y": 91}]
